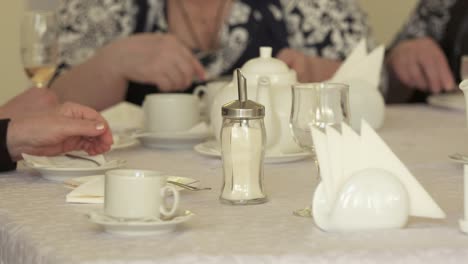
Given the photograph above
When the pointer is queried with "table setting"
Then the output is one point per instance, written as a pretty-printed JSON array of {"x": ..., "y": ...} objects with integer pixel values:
[{"x": 233, "y": 182}]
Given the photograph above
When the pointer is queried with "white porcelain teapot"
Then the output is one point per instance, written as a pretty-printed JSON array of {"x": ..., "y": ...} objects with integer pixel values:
[{"x": 269, "y": 83}]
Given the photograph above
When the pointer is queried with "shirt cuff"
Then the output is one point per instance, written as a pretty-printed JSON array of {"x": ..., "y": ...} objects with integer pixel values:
[{"x": 6, "y": 163}]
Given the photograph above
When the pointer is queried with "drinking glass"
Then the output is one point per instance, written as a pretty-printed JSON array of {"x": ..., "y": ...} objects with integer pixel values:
[
  {"x": 39, "y": 46},
  {"x": 318, "y": 105}
]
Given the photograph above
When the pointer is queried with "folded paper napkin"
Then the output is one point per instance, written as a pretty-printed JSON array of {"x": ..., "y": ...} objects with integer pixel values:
[
  {"x": 362, "y": 72},
  {"x": 124, "y": 117},
  {"x": 343, "y": 153},
  {"x": 64, "y": 161},
  {"x": 90, "y": 189}
]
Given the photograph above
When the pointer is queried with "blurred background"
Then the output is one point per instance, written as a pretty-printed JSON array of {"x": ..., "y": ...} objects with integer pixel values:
[{"x": 385, "y": 17}]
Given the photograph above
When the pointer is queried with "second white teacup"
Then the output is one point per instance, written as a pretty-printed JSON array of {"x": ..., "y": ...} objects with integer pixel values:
[
  {"x": 171, "y": 112},
  {"x": 138, "y": 194}
]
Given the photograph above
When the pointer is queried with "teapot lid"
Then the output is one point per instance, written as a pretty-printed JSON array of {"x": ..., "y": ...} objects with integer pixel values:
[{"x": 265, "y": 64}]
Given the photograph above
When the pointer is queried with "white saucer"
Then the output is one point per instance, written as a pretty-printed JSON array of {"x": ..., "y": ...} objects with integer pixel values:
[
  {"x": 171, "y": 140},
  {"x": 123, "y": 141},
  {"x": 138, "y": 228},
  {"x": 211, "y": 149},
  {"x": 60, "y": 174},
  {"x": 455, "y": 101}
]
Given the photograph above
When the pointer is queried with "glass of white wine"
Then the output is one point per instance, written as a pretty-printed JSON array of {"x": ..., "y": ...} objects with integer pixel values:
[{"x": 39, "y": 46}]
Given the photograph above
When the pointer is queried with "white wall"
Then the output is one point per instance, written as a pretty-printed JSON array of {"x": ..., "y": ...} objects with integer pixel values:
[
  {"x": 12, "y": 78},
  {"x": 385, "y": 16}
]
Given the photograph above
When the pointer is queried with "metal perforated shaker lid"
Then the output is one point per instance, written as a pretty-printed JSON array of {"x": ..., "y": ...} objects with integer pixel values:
[{"x": 243, "y": 108}]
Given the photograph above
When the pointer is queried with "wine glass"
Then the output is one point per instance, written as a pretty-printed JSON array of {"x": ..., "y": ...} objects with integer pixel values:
[
  {"x": 39, "y": 46},
  {"x": 318, "y": 105}
]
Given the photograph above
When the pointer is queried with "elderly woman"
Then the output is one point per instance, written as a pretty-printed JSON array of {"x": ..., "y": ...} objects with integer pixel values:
[
  {"x": 425, "y": 57},
  {"x": 125, "y": 49}
]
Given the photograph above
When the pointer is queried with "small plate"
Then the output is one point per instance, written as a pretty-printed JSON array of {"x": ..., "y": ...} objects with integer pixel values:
[
  {"x": 123, "y": 141},
  {"x": 138, "y": 228},
  {"x": 171, "y": 140},
  {"x": 211, "y": 149},
  {"x": 455, "y": 101},
  {"x": 61, "y": 174}
]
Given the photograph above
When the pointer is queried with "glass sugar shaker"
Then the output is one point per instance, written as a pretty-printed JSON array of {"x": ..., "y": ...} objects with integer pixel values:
[{"x": 243, "y": 141}]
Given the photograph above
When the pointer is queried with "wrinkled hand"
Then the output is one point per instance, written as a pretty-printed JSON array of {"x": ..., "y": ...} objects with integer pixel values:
[
  {"x": 67, "y": 128},
  {"x": 29, "y": 102},
  {"x": 421, "y": 64},
  {"x": 159, "y": 59},
  {"x": 308, "y": 68}
]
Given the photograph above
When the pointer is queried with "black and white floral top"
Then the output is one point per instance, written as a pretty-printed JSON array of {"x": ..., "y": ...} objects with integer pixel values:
[
  {"x": 446, "y": 22},
  {"x": 326, "y": 28},
  {"x": 429, "y": 19}
]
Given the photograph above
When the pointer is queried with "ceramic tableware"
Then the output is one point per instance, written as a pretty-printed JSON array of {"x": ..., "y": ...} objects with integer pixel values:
[
  {"x": 171, "y": 112},
  {"x": 138, "y": 195}
]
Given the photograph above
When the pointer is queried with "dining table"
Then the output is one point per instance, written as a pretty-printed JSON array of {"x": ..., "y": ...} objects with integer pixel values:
[{"x": 38, "y": 226}]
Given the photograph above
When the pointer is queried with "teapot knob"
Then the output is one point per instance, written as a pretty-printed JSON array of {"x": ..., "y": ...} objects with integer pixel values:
[{"x": 265, "y": 52}]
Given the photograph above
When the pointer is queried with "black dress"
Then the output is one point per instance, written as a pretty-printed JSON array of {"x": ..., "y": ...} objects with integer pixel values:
[
  {"x": 329, "y": 29},
  {"x": 6, "y": 164}
]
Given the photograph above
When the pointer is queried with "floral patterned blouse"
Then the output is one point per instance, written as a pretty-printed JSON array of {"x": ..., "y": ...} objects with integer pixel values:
[
  {"x": 326, "y": 28},
  {"x": 446, "y": 22},
  {"x": 429, "y": 19}
]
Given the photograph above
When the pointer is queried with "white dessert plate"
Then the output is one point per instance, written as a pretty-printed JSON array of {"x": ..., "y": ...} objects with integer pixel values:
[
  {"x": 455, "y": 101},
  {"x": 60, "y": 174},
  {"x": 211, "y": 149},
  {"x": 138, "y": 228},
  {"x": 123, "y": 141},
  {"x": 171, "y": 140}
]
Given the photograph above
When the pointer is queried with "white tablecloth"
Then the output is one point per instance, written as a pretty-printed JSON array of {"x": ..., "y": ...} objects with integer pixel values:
[{"x": 37, "y": 226}]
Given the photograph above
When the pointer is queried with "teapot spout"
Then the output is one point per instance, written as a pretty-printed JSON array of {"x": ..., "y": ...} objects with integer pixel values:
[{"x": 464, "y": 87}]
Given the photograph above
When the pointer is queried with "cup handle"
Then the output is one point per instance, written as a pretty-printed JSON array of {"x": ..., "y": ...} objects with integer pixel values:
[
  {"x": 197, "y": 92},
  {"x": 175, "y": 205}
]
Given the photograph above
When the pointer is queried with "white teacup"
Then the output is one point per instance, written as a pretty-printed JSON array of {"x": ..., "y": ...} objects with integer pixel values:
[
  {"x": 138, "y": 194},
  {"x": 207, "y": 94},
  {"x": 171, "y": 112}
]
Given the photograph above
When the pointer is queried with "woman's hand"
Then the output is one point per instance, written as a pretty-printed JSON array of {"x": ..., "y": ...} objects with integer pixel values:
[
  {"x": 159, "y": 59},
  {"x": 308, "y": 68},
  {"x": 67, "y": 128},
  {"x": 29, "y": 102},
  {"x": 421, "y": 64}
]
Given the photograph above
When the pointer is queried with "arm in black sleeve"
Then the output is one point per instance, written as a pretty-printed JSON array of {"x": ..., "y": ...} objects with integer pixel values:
[{"x": 6, "y": 163}]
